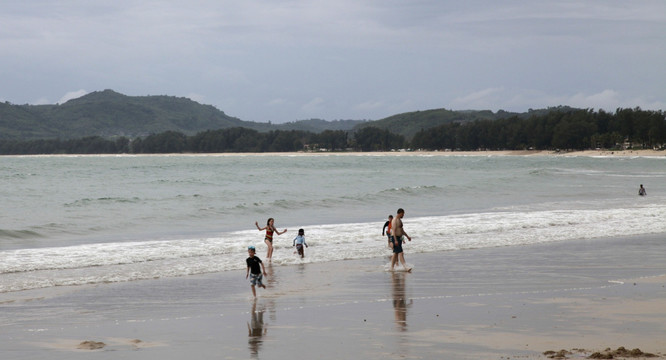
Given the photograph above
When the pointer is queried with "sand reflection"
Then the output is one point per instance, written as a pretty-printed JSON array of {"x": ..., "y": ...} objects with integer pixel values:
[
  {"x": 400, "y": 304},
  {"x": 256, "y": 329}
]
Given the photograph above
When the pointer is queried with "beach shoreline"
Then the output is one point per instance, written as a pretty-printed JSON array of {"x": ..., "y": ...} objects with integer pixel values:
[
  {"x": 506, "y": 302},
  {"x": 590, "y": 153}
]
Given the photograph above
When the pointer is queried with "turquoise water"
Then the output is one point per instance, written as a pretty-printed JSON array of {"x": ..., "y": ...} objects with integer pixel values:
[{"x": 90, "y": 219}]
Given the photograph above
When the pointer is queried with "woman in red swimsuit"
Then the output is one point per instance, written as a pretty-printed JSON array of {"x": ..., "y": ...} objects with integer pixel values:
[{"x": 270, "y": 229}]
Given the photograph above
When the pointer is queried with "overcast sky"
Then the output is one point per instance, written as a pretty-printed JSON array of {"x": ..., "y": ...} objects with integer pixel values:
[{"x": 280, "y": 60}]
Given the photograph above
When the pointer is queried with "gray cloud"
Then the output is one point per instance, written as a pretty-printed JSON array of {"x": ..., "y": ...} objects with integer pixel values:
[{"x": 286, "y": 60}]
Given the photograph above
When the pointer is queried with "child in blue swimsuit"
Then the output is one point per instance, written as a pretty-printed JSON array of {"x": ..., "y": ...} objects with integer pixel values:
[{"x": 299, "y": 241}]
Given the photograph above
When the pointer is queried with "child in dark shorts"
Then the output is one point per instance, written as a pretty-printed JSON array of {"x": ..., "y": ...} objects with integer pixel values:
[
  {"x": 255, "y": 268},
  {"x": 387, "y": 230},
  {"x": 299, "y": 241}
]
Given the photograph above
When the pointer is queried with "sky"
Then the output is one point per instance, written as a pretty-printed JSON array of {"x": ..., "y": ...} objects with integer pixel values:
[{"x": 288, "y": 60}]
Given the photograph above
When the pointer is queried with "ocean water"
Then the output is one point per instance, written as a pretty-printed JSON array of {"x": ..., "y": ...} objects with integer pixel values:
[{"x": 72, "y": 220}]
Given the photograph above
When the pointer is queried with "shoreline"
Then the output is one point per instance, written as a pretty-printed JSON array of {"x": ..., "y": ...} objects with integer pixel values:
[
  {"x": 506, "y": 302},
  {"x": 582, "y": 153}
]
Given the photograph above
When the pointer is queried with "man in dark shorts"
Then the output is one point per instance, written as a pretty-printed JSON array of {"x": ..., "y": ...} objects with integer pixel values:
[{"x": 398, "y": 233}]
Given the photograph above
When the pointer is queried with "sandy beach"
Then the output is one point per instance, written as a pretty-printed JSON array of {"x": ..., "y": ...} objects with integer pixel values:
[
  {"x": 495, "y": 303},
  {"x": 617, "y": 153},
  {"x": 597, "y": 153}
]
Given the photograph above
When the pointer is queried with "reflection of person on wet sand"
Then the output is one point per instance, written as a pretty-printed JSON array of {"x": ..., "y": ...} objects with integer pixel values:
[
  {"x": 399, "y": 303},
  {"x": 255, "y": 330}
]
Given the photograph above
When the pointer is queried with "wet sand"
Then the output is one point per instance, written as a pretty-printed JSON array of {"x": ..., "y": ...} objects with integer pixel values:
[{"x": 499, "y": 303}]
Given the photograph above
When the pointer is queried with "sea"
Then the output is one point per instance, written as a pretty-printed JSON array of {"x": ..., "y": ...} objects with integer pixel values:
[{"x": 75, "y": 220}]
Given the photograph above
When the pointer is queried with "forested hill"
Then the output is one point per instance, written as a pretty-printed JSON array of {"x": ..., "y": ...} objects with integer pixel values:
[
  {"x": 108, "y": 113},
  {"x": 410, "y": 123}
]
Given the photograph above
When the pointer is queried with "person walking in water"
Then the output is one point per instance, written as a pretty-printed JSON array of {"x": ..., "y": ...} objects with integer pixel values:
[
  {"x": 270, "y": 230},
  {"x": 398, "y": 234},
  {"x": 387, "y": 229},
  {"x": 255, "y": 268},
  {"x": 641, "y": 191},
  {"x": 299, "y": 241}
]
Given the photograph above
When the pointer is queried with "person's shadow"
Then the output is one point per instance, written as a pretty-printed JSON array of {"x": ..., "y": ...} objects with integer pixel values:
[
  {"x": 400, "y": 304},
  {"x": 256, "y": 330}
]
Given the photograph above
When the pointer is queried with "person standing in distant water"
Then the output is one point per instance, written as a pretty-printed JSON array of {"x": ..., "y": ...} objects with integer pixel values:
[
  {"x": 254, "y": 267},
  {"x": 387, "y": 224},
  {"x": 270, "y": 229},
  {"x": 299, "y": 241},
  {"x": 641, "y": 191},
  {"x": 398, "y": 233}
]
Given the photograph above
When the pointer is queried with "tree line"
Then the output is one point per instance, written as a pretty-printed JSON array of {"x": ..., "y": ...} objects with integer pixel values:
[
  {"x": 568, "y": 130},
  {"x": 231, "y": 140}
]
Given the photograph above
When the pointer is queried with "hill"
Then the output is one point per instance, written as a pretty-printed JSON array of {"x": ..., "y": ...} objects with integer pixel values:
[
  {"x": 108, "y": 114},
  {"x": 318, "y": 125},
  {"x": 408, "y": 124}
]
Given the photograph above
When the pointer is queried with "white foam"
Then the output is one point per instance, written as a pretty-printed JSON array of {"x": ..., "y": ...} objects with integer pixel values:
[{"x": 127, "y": 261}]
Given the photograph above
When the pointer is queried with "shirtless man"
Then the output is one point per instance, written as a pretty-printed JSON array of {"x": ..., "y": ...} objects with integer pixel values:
[{"x": 398, "y": 233}]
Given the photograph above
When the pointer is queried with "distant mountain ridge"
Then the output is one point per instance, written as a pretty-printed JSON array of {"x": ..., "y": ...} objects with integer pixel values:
[
  {"x": 319, "y": 125},
  {"x": 408, "y": 124},
  {"x": 110, "y": 114}
]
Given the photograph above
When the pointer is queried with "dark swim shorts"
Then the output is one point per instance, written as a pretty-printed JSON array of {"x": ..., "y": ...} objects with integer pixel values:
[{"x": 397, "y": 245}]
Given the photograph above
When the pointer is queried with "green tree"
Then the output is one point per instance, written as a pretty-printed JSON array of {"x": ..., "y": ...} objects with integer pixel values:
[
  {"x": 164, "y": 143},
  {"x": 375, "y": 139}
]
